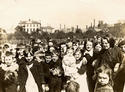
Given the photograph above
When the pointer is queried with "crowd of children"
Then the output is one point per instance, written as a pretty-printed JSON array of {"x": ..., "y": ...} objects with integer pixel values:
[{"x": 92, "y": 65}]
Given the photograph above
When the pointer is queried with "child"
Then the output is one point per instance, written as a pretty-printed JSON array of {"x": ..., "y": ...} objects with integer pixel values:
[
  {"x": 81, "y": 80},
  {"x": 87, "y": 56},
  {"x": 69, "y": 64},
  {"x": 70, "y": 71},
  {"x": 103, "y": 78},
  {"x": 46, "y": 69},
  {"x": 8, "y": 72},
  {"x": 72, "y": 86},
  {"x": 56, "y": 72}
]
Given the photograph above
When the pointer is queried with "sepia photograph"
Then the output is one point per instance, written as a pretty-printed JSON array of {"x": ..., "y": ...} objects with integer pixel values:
[{"x": 62, "y": 45}]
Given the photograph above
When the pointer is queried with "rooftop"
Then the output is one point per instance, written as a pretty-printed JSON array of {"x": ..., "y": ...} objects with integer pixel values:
[{"x": 29, "y": 22}]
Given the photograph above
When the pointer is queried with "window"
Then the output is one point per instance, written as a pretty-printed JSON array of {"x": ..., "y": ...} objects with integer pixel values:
[
  {"x": 27, "y": 30},
  {"x": 37, "y": 25},
  {"x": 34, "y": 29}
]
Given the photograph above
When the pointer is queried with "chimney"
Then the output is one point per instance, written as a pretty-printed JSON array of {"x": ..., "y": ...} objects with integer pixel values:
[
  {"x": 60, "y": 26},
  {"x": 86, "y": 26},
  {"x": 94, "y": 23},
  {"x": 77, "y": 27},
  {"x": 64, "y": 26}
]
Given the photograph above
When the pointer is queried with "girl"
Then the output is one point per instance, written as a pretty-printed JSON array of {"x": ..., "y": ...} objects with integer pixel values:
[
  {"x": 103, "y": 78},
  {"x": 81, "y": 80},
  {"x": 97, "y": 47},
  {"x": 87, "y": 56}
]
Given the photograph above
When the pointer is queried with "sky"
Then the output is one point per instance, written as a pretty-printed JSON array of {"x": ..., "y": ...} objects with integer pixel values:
[{"x": 56, "y": 12}]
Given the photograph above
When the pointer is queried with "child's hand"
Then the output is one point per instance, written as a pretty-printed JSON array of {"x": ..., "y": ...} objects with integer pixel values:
[
  {"x": 46, "y": 88},
  {"x": 116, "y": 67},
  {"x": 84, "y": 61},
  {"x": 7, "y": 75},
  {"x": 18, "y": 88},
  {"x": 94, "y": 63},
  {"x": 43, "y": 86}
]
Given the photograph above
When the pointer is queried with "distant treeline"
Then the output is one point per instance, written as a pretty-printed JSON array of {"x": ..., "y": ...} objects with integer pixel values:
[{"x": 118, "y": 30}]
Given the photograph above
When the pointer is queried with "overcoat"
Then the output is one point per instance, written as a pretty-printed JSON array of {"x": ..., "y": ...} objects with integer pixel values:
[{"x": 36, "y": 71}]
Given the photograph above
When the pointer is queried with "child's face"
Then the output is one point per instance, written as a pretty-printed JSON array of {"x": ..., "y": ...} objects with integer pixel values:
[
  {"x": 98, "y": 47},
  {"x": 78, "y": 55},
  {"x": 54, "y": 58},
  {"x": 70, "y": 52},
  {"x": 123, "y": 48},
  {"x": 8, "y": 60},
  {"x": 81, "y": 46},
  {"x": 103, "y": 78},
  {"x": 48, "y": 59},
  {"x": 21, "y": 51},
  {"x": 99, "y": 39},
  {"x": 75, "y": 46},
  {"x": 69, "y": 44},
  {"x": 106, "y": 44},
  {"x": 89, "y": 45},
  {"x": 29, "y": 58},
  {"x": 52, "y": 49},
  {"x": 50, "y": 43}
]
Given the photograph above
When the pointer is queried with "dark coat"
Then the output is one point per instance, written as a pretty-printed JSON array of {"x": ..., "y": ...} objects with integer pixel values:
[
  {"x": 46, "y": 69},
  {"x": 8, "y": 85},
  {"x": 90, "y": 72},
  {"x": 36, "y": 71},
  {"x": 55, "y": 83},
  {"x": 111, "y": 57}
]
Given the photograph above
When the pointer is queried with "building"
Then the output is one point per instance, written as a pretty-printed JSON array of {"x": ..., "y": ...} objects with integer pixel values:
[
  {"x": 101, "y": 26},
  {"x": 48, "y": 29},
  {"x": 30, "y": 25}
]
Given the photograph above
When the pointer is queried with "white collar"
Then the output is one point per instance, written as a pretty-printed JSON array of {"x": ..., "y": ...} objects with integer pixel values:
[
  {"x": 89, "y": 52},
  {"x": 29, "y": 66}
]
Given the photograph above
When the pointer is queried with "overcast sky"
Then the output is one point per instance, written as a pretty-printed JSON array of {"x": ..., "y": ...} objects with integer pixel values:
[{"x": 55, "y": 12}]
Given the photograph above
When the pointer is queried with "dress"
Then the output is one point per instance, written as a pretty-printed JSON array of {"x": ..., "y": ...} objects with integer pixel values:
[
  {"x": 31, "y": 85},
  {"x": 82, "y": 78},
  {"x": 82, "y": 81},
  {"x": 28, "y": 75}
]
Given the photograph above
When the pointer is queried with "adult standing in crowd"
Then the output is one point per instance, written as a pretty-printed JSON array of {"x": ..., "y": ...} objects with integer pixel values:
[
  {"x": 120, "y": 77},
  {"x": 111, "y": 56},
  {"x": 29, "y": 76},
  {"x": 88, "y": 54}
]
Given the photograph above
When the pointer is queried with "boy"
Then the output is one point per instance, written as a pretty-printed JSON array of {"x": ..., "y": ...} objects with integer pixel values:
[{"x": 56, "y": 73}]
